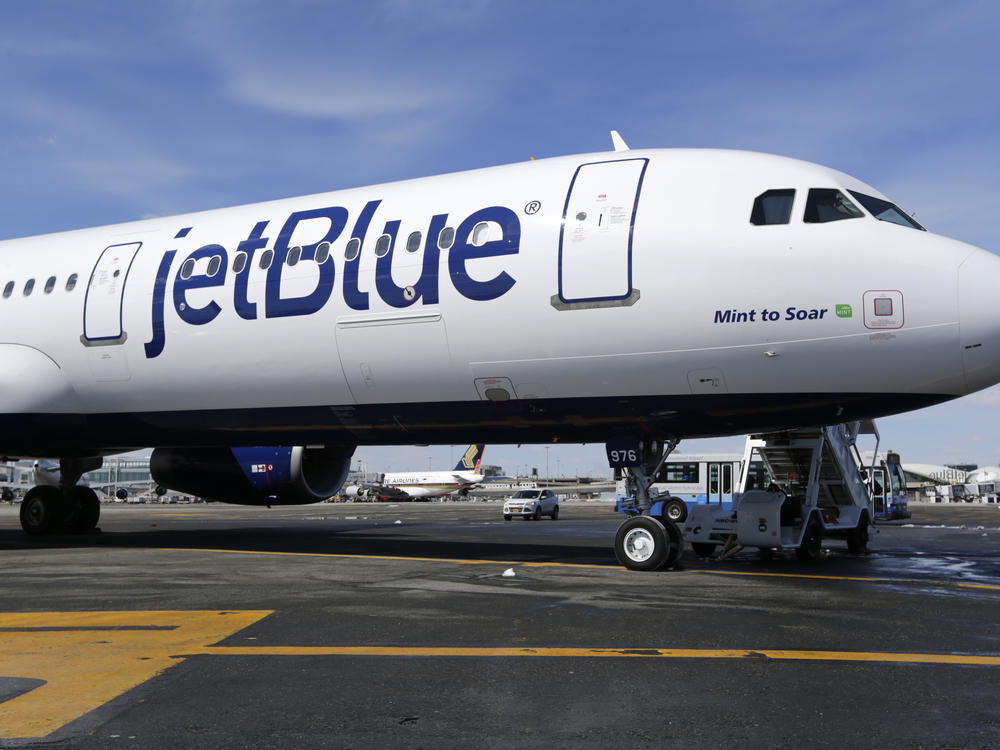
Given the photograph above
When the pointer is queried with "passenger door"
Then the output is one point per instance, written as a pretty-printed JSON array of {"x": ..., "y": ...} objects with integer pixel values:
[
  {"x": 102, "y": 306},
  {"x": 595, "y": 243}
]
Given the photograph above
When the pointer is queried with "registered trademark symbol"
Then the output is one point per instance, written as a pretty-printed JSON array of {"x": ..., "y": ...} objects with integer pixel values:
[{"x": 532, "y": 207}]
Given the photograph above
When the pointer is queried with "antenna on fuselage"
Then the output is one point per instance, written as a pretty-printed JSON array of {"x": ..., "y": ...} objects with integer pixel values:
[{"x": 618, "y": 142}]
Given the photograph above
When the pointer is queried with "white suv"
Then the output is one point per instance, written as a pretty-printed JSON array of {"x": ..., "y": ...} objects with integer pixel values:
[{"x": 531, "y": 504}]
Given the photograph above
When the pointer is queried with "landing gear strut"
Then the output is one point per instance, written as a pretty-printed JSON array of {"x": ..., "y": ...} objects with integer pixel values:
[
  {"x": 644, "y": 542},
  {"x": 63, "y": 508}
]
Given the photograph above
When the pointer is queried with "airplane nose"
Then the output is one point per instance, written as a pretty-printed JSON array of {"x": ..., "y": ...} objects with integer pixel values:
[{"x": 979, "y": 319}]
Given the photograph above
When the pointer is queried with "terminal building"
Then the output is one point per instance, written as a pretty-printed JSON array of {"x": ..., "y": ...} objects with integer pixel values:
[{"x": 129, "y": 473}]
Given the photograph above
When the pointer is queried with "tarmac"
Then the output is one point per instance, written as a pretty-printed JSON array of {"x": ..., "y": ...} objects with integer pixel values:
[{"x": 439, "y": 625}]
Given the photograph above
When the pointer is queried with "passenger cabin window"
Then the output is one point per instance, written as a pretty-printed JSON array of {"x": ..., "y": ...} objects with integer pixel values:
[
  {"x": 187, "y": 269},
  {"x": 50, "y": 284},
  {"x": 322, "y": 253},
  {"x": 352, "y": 249},
  {"x": 29, "y": 285},
  {"x": 773, "y": 207},
  {"x": 71, "y": 282},
  {"x": 413, "y": 242},
  {"x": 885, "y": 211},
  {"x": 829, "y": 204},
  {"x": 293, "y": 256},
  {"x": 446, "y": 238},
  {"x": 265, "y": 259},
  {"x": 481, "y": 233},
  {"x": 214, "y": 265},
  {"x": 239, "y": 262},
  {"x": 382, "y": 245},
  {"x": 8, "y": 290}
]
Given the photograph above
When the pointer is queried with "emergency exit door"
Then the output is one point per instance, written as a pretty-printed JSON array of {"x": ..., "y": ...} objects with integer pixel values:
[
  {"x": 595, "y": 244},
  {"x": 102, "y": 308}
]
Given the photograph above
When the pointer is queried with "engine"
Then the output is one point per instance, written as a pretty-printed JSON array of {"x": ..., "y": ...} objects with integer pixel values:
[{"x": 254, "y": 476}]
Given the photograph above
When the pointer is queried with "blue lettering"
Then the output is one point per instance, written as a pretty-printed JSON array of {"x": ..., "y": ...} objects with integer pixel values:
[
  {"x": 244, "y": 307},
  {"x": 427, "y": 285},
  {"x": 353, "y": 296},
  {"x": 198, "y": 316},
  {"x": 154, "y": 347},
  {"x": 477, "y": 237},
  {"x": 278, "y": 306},
  {"x": 463, "y": 251},
  {"x": 384, "y": 285}
]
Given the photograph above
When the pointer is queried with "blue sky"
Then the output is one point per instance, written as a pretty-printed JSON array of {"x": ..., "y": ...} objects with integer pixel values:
[{"x": 113, "y": 111}]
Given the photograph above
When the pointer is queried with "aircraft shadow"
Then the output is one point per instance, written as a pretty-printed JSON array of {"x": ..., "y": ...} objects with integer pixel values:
[{"x": 321, "y": 541}]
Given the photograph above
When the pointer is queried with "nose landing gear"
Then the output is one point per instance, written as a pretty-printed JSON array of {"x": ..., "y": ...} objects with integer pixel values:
[{"x": 644, "y": 542}]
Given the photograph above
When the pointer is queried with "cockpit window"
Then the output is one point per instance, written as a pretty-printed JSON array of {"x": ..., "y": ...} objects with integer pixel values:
[
  {"x": 772, "y": 207},
  {"x": 829, "y": 204},
  {"x": 885, "y": 211}
]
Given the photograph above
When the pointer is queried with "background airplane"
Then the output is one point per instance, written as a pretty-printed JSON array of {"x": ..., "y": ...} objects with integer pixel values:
[{"x": 424, "y": 485}]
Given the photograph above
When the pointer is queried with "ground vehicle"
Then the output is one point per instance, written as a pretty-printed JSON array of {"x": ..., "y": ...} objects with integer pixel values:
[
  {"x": 702, "y": 479},
  {"x": 531, "y": 505},
  {"x": 888, "y": 488},
  {"x": 819, "y": 490}
]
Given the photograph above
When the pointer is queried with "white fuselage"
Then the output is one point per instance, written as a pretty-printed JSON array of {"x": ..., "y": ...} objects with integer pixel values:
[{"x": 581, "y": 297}]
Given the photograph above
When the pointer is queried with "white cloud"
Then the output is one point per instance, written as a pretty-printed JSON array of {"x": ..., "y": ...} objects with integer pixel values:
[{"x": 334, "y": 93}]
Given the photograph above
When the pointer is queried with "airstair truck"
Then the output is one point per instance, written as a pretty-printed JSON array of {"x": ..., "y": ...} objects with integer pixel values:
[{"x": 818, "y": 489}]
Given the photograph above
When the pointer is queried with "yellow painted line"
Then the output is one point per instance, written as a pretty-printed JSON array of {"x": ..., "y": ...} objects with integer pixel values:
[
  {"x": 86, "y": 658},
  {"x": 616, "y": 653}
]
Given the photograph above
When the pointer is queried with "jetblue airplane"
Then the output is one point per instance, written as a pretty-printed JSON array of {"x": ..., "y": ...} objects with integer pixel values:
[
  {"x": 651, "y": 294},
  {"x": 424, "y": 485}
]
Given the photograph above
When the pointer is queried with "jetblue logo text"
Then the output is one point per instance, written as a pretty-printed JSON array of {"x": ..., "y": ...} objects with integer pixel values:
[{"x": 311, "y": 229}]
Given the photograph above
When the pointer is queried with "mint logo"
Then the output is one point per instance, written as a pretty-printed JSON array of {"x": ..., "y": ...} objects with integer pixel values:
[{"x": 844, "y": 311}]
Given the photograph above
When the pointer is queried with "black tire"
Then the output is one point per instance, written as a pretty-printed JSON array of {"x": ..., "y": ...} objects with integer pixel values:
[
  {"x": 703, "y": 549},
  {"x": 857, "y": 538},
  {"x": 555, "y": 513},
  {"x": 641, "y": 543},
  {"x": 86, "y": 511},
  {"x": 43, "y": 511},
  {"x": 812, "y": 542},
  {"x": 675, "y": 510},
  {"x": 676, "y": 543},
  {"x": 507, "y": 517},
  {"x": 537, "y": 515}
]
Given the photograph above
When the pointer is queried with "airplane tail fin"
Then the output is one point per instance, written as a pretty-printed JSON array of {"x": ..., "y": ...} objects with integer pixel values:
[{"x": 472, "y": 459}]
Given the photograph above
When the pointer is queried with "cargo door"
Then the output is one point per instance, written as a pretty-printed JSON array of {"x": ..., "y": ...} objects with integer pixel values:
[
  {"x": 396, "y": 357},
  {"x": 595, "y": 243}
]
